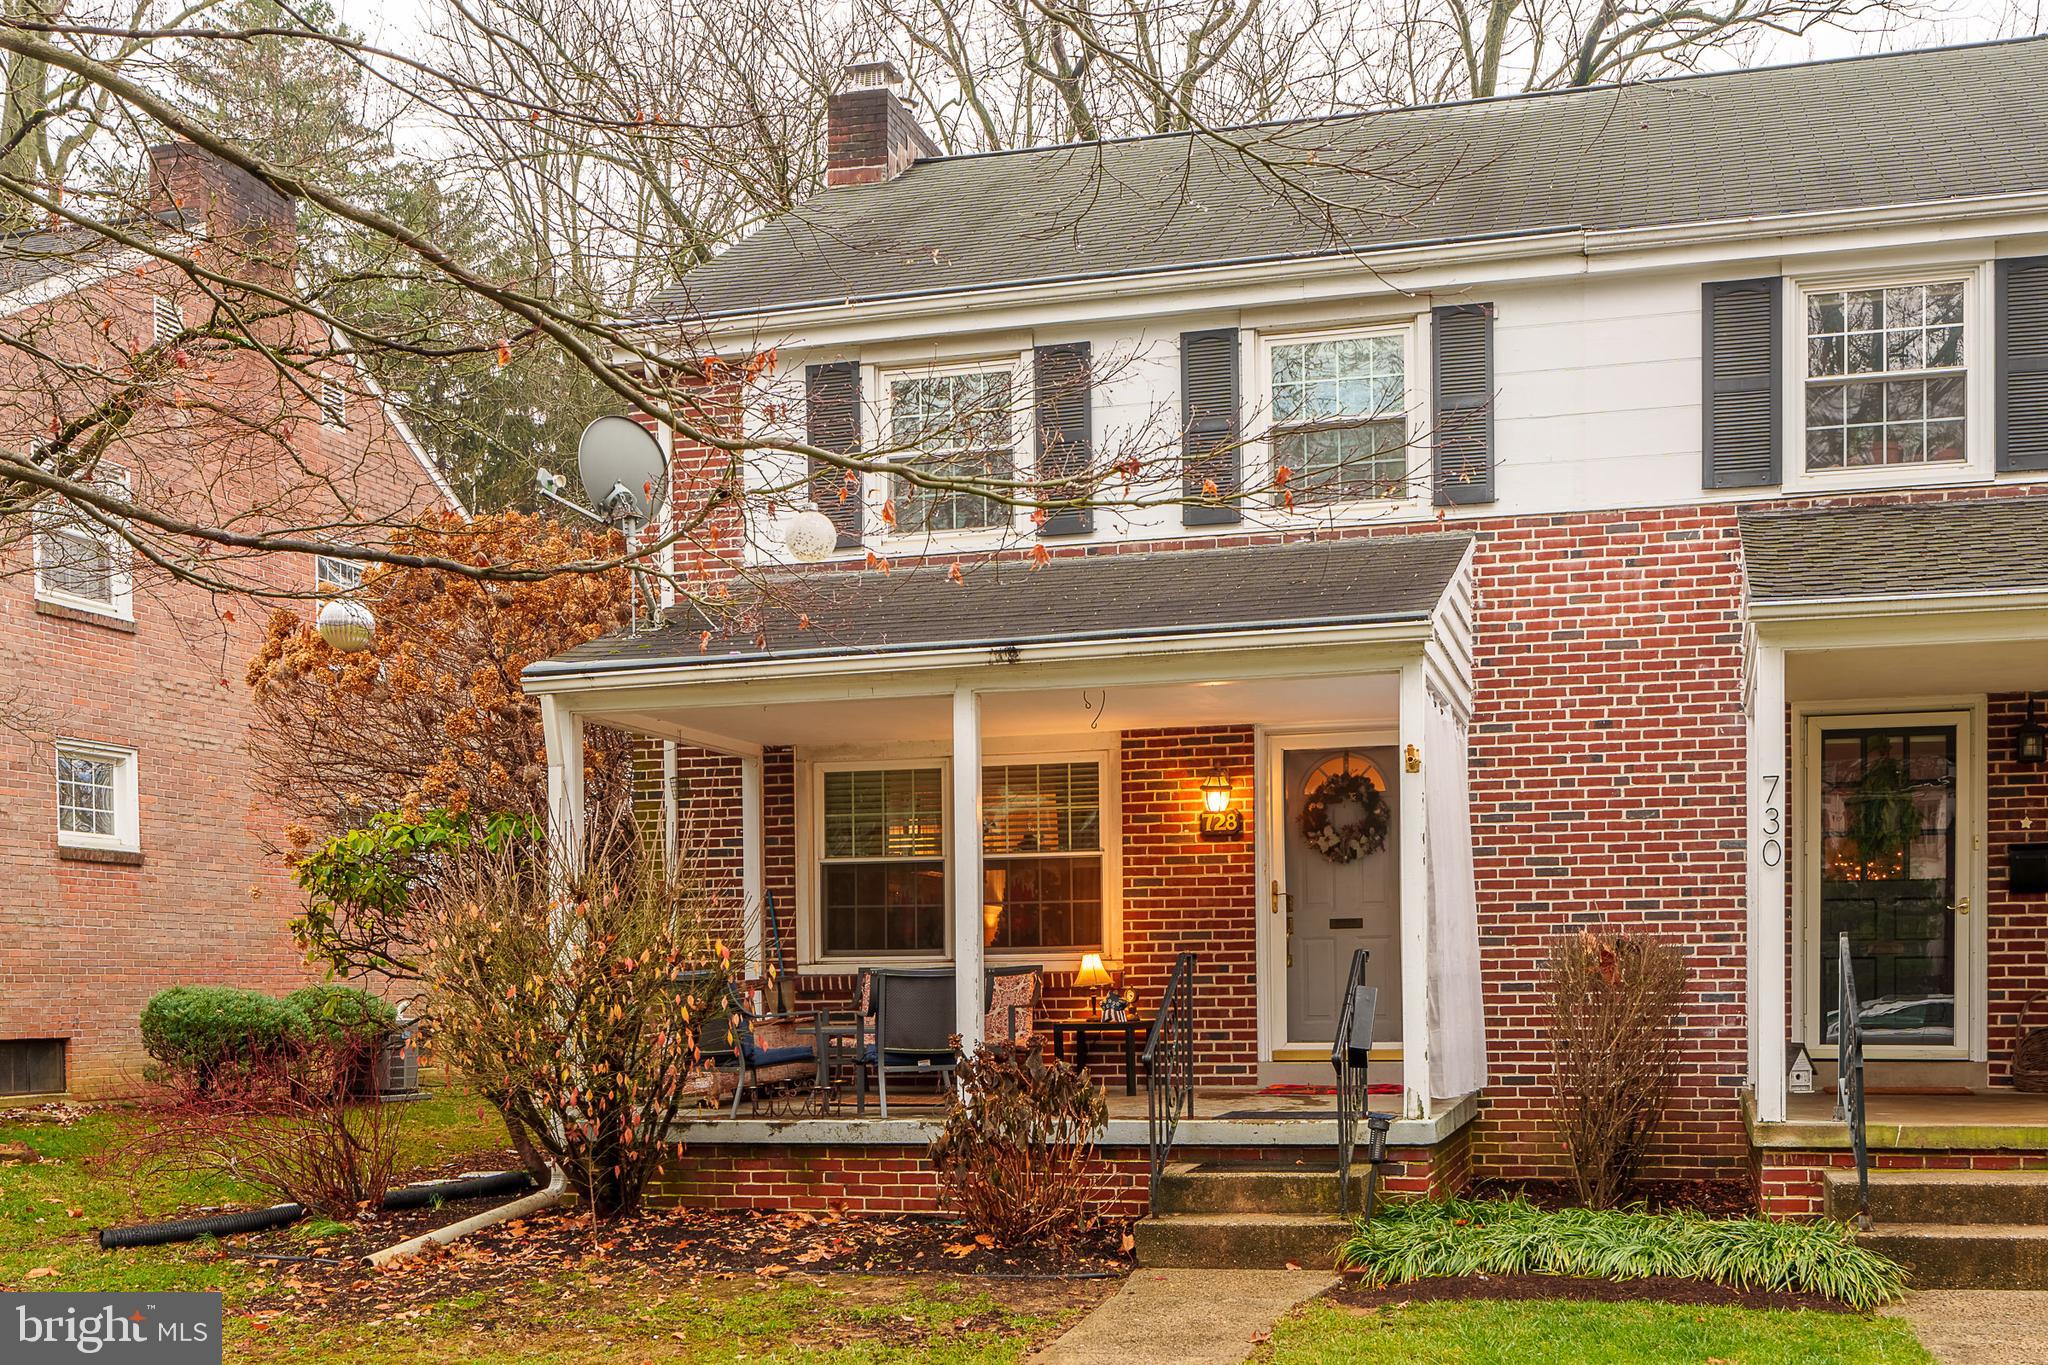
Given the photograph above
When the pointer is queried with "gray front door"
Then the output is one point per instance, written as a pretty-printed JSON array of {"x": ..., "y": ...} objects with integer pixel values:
[{"x": 1335, "y": 907}]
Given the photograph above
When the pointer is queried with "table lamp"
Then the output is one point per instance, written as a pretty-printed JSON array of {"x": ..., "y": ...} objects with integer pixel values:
[{"x": 1093, "y": 977}]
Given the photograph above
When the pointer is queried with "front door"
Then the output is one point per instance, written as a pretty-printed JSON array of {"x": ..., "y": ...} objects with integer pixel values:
[
  {"x": 1889, "y": 864},
  {"x": 1339, "y": 896}
]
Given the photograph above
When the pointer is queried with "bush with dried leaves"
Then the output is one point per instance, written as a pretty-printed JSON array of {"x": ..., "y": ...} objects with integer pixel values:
[
  {"x": 1016, "y": 1153},
  {"x": 1614, "y": 1046}
]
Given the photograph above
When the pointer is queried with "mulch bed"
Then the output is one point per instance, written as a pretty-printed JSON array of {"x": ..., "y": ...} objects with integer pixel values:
[
  {"x": 325, "y": 1276},
  {"x": 1715, "y": 1198},
  {"x": 1655, "y": 1289}
]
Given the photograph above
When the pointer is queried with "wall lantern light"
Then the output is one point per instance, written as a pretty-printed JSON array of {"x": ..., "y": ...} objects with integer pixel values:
[
  {"x": 1216, "y": 790},
  {"x": 2030, "y": 742}
]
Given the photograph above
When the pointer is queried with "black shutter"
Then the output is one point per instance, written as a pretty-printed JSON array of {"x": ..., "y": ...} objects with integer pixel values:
[
  {"x": 1461, "y": 347},
  {"x": 1209, "y": 441},
  {"x": 1065, "y": 410},
  {"x": 2022, "y": 343},
  {"x": 832, "y": 422},
  {"x": 1741, "y": 393}
]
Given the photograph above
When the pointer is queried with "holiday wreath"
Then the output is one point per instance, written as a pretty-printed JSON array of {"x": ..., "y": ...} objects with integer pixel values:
[{"x": 1348, "y": 842}]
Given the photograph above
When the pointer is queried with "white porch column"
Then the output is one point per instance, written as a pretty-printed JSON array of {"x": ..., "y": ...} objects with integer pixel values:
[
  {"x": 562, "y": 732},
  {"x": 753, "y": 864},
  {"x": 1413, "y": 829},
  {"x": 967, "y": 890},
  {"x": 1768, "y": 854}
]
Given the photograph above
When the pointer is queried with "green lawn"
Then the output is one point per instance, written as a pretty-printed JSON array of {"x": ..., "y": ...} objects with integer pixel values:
[
  {"x": 1543, "y": 1333},
  {"x": 566, "y": 1314}
]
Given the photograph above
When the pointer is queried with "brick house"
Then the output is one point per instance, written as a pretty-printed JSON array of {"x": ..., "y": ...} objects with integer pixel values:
[
  {"x": 133, "y": 851},
  {"x": 1633, "y": 486}
]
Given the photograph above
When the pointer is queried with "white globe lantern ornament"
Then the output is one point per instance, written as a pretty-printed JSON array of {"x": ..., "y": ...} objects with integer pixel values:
[
  {"x": 810, "y": 536},
  {"x": 346, "y": 625}
]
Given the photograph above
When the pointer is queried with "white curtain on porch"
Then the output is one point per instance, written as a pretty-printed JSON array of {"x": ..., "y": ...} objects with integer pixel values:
[{"x": 1457, "y": 1024}]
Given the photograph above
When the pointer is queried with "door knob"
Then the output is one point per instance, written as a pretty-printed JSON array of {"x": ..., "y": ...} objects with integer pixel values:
[{"x": 1961, "y": 907}]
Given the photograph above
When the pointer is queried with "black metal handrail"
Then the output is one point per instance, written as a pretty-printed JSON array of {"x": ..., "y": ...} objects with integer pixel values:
[
  {"x": 1351, "y": 1079},
  {"x": 1170, "y": 1067},
  {"x": 1849, "y": 1076}
]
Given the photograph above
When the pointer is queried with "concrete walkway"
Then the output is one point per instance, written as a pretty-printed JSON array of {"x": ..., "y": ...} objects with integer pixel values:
[
  {"x": 1978, "y": 1326},
  {"x": 1192, "y": 1317}
]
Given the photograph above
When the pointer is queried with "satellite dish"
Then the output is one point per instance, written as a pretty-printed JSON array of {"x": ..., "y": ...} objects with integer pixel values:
[{"x": 623, "y": 472}]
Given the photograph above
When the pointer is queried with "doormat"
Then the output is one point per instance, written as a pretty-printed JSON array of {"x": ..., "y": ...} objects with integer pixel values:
[{"x": 1377, "y": 1088}]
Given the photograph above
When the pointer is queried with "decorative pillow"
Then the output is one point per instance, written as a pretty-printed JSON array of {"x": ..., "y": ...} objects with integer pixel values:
[{"x": 1014, "y": 991}]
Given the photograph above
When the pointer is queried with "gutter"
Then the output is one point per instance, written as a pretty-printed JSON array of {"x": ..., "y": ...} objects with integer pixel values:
[
  {"x": 565, "y": 675},
  {"x": 1852, "y": 605}
]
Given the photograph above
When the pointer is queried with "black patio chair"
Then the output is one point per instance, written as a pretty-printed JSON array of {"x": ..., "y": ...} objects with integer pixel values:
[
  {"x": 914, "y": 1013},
  {"x": 1018, "y": 1025},
  {"x": 757, "y": 1063}
]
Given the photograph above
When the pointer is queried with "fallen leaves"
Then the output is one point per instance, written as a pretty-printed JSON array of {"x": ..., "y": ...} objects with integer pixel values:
[{"x": 42, "y": 1272}]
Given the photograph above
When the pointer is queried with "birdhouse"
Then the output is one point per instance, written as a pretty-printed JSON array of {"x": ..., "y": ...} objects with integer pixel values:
[{"x": 1799, "y": 1071}]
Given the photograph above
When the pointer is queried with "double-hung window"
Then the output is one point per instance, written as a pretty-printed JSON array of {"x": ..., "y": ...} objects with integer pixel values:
[
  {"x": 960, "y": 426},
  {"x": 1339, "y": 417},
  {"x": 882, "y": 869},
  {"x": 884, "y": 859},
  {"x": 96, "y": 806},
  {"x": 1041, "y": 845},
  {"x": 80, "y": 560},
  {"x": 1885, "y": 375}
]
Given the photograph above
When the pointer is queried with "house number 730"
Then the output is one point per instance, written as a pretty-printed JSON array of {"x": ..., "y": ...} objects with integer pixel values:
[{"x": 1771, "y": 823}]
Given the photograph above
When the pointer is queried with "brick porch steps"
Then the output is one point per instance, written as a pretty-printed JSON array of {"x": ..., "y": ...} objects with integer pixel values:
[
  {"x": 1954, "y": 1229},
  {"x": 1246, "y": 1216}
]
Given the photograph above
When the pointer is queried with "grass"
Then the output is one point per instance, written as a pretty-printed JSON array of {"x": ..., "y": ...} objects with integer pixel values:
[
  {"x": 558, "y": 1316},
  {"x": 1421, "y": 1240},
  {"x": 1557, "y": 1333}
]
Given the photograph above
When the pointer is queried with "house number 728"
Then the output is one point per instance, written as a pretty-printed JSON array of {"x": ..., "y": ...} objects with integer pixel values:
[{"x": 1771, "y": 824}]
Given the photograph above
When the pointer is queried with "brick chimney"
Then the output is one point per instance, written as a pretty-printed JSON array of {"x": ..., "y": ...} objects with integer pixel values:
[
  {"x": 233, "y": 207},
  {"x": 870, "y": 133}
]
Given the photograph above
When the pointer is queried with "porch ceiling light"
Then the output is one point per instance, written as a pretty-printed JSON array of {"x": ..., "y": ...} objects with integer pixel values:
[
  {"x": 2030, "y": 741},
  {"x": 1216, "y": 790},
  {"x": 810, "y": 536},
  {"x": 346, "y": 625}
]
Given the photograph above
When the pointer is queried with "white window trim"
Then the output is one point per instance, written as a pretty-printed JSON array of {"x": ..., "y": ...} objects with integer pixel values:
[
  {"x": 811, "y": 768},
  {"x": 877, "y": 425},
  {"x": 1256, "y": 386},
  {"x": 127, "y": 835},
  {"x": 1980, "y": 388},
  {"x": 121, "y": 606}
]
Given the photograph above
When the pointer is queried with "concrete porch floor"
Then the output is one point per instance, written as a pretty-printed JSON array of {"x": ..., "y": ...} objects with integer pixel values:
[
  {"x": 2000, "y": 1120},
  {"x": 1223, "y": 1117}
]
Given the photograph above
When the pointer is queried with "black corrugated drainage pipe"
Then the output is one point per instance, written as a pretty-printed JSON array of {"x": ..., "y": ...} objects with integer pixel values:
[{"x": 280, "y": 1215}]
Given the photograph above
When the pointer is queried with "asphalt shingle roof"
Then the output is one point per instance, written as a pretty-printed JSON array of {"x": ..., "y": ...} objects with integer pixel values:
[
  {"x": 1937, "y": 547},
  {"x": 1008, "y": 602},
  {"x": 1910, "y": 127}
]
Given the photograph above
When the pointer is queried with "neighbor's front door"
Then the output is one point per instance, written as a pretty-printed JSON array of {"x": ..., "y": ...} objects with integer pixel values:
[
  {"x": 1888, "y": 805},
  {"x": 1334, "y": 907}
]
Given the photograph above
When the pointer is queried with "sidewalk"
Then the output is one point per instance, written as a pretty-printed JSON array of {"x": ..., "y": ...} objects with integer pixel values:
[
  {"x": 1977, "y": 1326},
  {"x": 1190, "y": 1317}
]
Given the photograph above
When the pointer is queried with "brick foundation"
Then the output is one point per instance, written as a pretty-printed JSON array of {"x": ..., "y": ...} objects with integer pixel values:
[
  {"x": 1788, "y": 1183},
  {"x": 898, "y": 1179}
]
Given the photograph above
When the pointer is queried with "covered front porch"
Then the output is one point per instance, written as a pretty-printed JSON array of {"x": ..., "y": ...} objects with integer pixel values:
[
  {"x": 1136, "y": 741},
  {"x": 1896, "y": 796}
]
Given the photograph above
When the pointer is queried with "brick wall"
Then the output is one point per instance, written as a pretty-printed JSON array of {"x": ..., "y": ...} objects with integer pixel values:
[
  {"x": 879, "y": 1179},
  {"x": 1607, "y": 788},
  {"x": 2016, "y": 957},
  {"x": 85, "y": 940}
]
